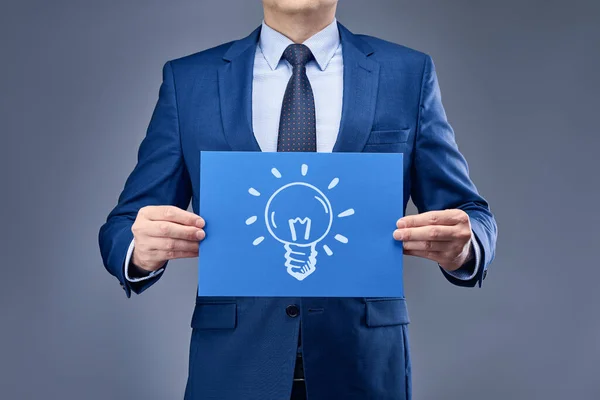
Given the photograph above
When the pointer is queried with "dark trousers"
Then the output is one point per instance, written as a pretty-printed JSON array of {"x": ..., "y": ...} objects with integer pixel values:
[
  {"x": 299, "y": 386},
  {"x": 298, "y": 391}
]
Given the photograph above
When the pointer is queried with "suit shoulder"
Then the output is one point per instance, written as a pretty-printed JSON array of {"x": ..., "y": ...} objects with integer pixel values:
[
  {"x": 389, "y": 52},
  {"x": 212, "y": 57}
]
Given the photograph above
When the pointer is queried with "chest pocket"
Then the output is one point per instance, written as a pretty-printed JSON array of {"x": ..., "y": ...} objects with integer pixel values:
[
  {"x": 387, "y": 141},
  {"x": 388, "y": 136}
]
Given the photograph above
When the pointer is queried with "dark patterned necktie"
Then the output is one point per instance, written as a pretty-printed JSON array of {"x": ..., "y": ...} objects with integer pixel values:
[{"x": 297, "y": 125}]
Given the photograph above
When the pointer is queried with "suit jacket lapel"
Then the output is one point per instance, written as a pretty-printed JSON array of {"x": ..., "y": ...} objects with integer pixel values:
[
  {"x": 361, "y": 81},
  {"x": 235, "y": 93}
]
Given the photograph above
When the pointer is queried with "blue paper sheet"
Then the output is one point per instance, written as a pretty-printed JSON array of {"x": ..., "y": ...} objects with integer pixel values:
[{"x": 300, "y": 224}]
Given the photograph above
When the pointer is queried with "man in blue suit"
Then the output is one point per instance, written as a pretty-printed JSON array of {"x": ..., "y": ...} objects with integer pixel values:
[{"x": 350, "y": 93}]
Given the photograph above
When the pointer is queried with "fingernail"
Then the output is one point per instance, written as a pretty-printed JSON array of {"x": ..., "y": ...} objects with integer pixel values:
[
  {"x": 200, "y": 235},
  {"x": 200, "y": 223},
  {"x": 401, "y": 224}
]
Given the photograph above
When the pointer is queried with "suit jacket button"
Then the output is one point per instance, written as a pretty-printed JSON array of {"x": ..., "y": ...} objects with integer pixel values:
[{"x": 292, "y": 311}]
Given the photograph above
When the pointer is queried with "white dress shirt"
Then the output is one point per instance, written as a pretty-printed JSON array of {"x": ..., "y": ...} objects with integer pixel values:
[{"x": 270, "y": 78}]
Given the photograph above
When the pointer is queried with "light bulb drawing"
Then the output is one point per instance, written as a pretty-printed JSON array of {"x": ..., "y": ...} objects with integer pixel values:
[{"x": 301, "y": 228}]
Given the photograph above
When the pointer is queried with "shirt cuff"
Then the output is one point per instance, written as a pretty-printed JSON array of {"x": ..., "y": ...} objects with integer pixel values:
[
  {"x": 469, "y": 270},
  {"x": 128, "y": 265}
]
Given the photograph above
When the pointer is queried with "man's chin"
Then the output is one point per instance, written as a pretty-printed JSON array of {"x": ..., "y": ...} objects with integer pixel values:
[{"x": 299, "y": 6}]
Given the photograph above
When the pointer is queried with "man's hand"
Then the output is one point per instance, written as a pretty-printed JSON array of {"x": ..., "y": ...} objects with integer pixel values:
[
  {"x": 441, "y": 236},
  {"x": 163, "y": 233}
]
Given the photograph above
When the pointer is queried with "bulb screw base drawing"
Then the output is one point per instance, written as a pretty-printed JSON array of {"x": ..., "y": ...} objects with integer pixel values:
[{"x": 301, "y": 261}]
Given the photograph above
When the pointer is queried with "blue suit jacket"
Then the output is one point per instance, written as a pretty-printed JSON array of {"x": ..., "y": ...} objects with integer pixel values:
[{"x": 245, "y": 348}]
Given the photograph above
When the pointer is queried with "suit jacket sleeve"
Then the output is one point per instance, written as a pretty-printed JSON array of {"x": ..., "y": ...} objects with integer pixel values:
[
  {"x": 440, "y": 175},
  {"x": 160, "y": 177}
]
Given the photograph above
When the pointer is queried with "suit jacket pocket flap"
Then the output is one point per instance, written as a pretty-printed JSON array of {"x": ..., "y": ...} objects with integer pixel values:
[
  {"x": 389, "y": 136},
  {"x": 385, "y": 312},
  {"x": 214, "y": 316}
]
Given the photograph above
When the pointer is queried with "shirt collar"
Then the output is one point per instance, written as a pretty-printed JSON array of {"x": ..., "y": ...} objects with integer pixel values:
[{"x": 322, "y": 44}]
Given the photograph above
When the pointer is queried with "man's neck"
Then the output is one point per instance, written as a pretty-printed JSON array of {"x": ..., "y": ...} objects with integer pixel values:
[{"x": 299, "y": 26}]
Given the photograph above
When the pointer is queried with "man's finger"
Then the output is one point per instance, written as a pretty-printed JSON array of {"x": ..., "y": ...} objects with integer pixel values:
[
  {"x": 172, "y": 255},
  {"x": 167, "y": 244},
  {"x": 444, "y": 217},
  {"x": 427, "y": 245},
  {"x": 166, "y": 229},
  {"x": 172, "y": 214},
  {"x": 437, "y": 256},
  {"x": 438, "y": 233},
  {"x": 430, "y": 255}
]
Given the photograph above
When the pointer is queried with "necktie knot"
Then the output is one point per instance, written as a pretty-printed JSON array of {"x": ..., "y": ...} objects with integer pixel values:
[{"x": 297, "y": 55}]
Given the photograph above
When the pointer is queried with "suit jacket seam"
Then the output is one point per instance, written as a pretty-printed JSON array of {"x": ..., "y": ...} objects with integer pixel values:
[{"x": 176, "y": 108}]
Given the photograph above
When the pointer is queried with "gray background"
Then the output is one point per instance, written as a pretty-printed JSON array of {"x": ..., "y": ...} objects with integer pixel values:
[{"x": 78, "y": 82}]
